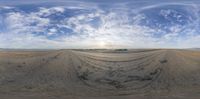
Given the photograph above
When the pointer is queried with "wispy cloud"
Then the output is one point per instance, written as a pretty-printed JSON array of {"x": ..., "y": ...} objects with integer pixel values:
[{"x": 82, "y": 26}]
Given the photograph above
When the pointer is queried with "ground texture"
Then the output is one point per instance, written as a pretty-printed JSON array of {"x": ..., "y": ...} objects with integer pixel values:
[{"x": 100, "y": 74}]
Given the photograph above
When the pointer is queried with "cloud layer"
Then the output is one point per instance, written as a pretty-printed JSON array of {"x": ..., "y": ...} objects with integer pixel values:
[{"x": 97, "y": 25}]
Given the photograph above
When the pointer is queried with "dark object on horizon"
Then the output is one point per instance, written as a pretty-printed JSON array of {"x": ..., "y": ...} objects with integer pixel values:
[{"x": 121, "y": 49}]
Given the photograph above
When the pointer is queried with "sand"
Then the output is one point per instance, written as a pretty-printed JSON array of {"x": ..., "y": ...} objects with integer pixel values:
[{"x": 100, "y": 74}]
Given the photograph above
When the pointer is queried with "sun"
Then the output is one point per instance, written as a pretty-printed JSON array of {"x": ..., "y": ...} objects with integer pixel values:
[{"x": 102, "y": 44}]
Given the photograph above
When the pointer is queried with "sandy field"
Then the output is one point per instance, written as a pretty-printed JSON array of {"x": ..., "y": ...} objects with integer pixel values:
[{"x": 100, "y": 74}]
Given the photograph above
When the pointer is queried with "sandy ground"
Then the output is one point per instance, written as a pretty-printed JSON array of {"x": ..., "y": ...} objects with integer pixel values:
[{"x": 100, "y": 74}]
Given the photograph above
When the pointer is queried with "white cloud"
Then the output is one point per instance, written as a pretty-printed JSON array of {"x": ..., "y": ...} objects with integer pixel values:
[
  {"x": 52, "y": 31},
  {"x": 6, "y": 7},
  {"x": 49, "y": 11},
  {"x": 115, "y": 28},
  {"x": 25, "y": 23}
]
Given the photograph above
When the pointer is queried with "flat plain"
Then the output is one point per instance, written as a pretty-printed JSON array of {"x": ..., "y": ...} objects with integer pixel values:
[{"x": 100, "y": 74}]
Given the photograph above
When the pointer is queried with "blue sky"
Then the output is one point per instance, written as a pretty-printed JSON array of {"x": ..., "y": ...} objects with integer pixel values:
[{"x": 99, "y": 24}]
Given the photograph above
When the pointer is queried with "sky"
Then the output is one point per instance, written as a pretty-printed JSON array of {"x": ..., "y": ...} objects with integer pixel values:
[{"x": 69, "y": 24}]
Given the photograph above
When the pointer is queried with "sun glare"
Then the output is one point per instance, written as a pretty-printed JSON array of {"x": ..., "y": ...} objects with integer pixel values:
[{"x": 102, "y": 44}]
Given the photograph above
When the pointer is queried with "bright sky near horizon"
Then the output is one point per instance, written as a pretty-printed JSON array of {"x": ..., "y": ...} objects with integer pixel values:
[{"x": 99, "y": 24}]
